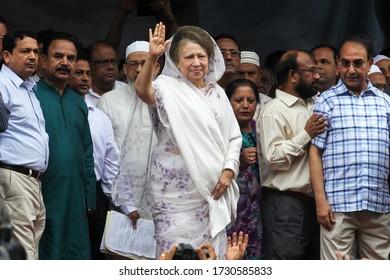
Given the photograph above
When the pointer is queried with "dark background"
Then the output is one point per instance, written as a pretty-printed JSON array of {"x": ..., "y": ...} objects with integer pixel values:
[{"x": 261, "y": 26}]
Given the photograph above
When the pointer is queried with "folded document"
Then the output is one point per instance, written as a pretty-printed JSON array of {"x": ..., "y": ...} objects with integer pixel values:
[{"x": 121, "y": 238}]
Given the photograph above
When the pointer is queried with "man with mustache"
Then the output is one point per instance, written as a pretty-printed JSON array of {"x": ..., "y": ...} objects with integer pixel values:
[
  {"x": 69, "y": 189},
  {"x": 24, "y": 146},
  {"x": 105, "y": 153},
  {"x": 285, "y": 129}
]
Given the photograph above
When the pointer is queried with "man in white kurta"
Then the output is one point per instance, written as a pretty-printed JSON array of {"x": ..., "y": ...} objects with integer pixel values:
[{"x": 133, "y": 133}]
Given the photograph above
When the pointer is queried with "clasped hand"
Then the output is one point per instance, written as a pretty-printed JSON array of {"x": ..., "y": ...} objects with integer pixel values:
[
  {"x": 248, "y": 156},
  {"x": 316, "y": 125}
]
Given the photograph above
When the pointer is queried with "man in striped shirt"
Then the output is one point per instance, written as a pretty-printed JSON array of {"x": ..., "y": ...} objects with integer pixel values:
[
  {"x": 349, "y": 162},
  {"x": 4, "y": 115}
]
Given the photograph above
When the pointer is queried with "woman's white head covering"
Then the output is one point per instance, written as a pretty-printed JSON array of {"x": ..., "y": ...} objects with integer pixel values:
[
  {"x": 216, "y": 64},
  {"x": 203, "y": 126}
]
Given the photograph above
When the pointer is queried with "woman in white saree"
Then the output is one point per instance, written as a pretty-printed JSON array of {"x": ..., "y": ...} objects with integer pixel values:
[{"x": 193, "y": 167}]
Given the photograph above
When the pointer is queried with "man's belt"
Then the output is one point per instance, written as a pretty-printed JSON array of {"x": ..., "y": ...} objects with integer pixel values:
[
  {"x": 297, "y": 195},
  {"x": 24, "y": 170}
]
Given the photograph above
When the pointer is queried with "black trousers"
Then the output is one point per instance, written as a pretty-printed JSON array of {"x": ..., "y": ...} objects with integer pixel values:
[
  {"x": 290, "y": 227},
  {"x": 96, "y": 222}
]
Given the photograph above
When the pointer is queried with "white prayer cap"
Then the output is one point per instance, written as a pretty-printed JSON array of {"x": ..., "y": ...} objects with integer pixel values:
[
  {"x": 380, "y": 57},
  {"x": 137, "y": 46},
  {"x": 250, "y": 57},
  {"x": 374, "y": 69}
]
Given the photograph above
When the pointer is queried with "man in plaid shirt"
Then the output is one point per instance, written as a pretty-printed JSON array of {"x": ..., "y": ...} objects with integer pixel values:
[{"x": 349, "y": 162}]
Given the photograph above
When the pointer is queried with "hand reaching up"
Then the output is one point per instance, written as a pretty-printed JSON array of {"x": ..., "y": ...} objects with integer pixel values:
[
  {"x": 237, "y": 246},
  {"x": 157, "y": 41}
]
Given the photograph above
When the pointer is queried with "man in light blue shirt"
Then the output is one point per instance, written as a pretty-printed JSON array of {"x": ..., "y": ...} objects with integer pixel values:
[{"x": 24, "y": 148}]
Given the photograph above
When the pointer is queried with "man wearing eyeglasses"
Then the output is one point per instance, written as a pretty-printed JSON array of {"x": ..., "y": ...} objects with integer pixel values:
[
  {"x": 104, "y": 69},
  {"x": 133, "y": 132},
  {"x": 230, "y": 50},
  {"x": 349, "y": 162},
  {"x": 285, "y": 129}
]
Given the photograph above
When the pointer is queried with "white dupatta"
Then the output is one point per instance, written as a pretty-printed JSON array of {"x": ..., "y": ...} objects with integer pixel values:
[{"x": 207, "y": 145}]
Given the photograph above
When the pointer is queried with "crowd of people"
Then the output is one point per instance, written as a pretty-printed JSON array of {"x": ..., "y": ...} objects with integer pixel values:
[{"x": 287, "y": 160}]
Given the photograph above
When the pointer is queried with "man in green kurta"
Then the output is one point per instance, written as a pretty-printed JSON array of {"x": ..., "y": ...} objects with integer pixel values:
[{"x": 68, "y": 186}]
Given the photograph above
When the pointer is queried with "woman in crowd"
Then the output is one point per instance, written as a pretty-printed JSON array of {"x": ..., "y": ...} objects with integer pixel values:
[
  {"x": 244, "y": 96},
  {"x": 194, "y": 195}
]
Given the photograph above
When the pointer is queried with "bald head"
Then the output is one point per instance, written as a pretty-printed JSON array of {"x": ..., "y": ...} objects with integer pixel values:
[{"x": 297, "y": 74}]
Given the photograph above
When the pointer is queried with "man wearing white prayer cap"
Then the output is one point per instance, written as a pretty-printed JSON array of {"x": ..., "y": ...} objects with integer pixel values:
[
  {"x": 249, "y": 69},
  {"x": 133, "y": 132},
  {"x": 383, "y": 62},
  {"x": 250, "y": 57},
  {"x": 377, "y": 78},
  {"x": 374, "y": 69}
]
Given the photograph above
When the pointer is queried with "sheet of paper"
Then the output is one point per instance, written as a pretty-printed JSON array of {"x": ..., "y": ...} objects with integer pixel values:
[{"x": 121, "y": 238}]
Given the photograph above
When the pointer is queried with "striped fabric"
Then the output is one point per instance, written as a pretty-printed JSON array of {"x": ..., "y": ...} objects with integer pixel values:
[
  {"x": 355, "y": 148},
  {"x": 4, "y": 115}
]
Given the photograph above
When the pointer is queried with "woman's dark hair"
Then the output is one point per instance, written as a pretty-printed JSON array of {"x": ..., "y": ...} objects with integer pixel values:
[
  {"x": 193, "y": 34},
  {"x": 233, "y": 85}
]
